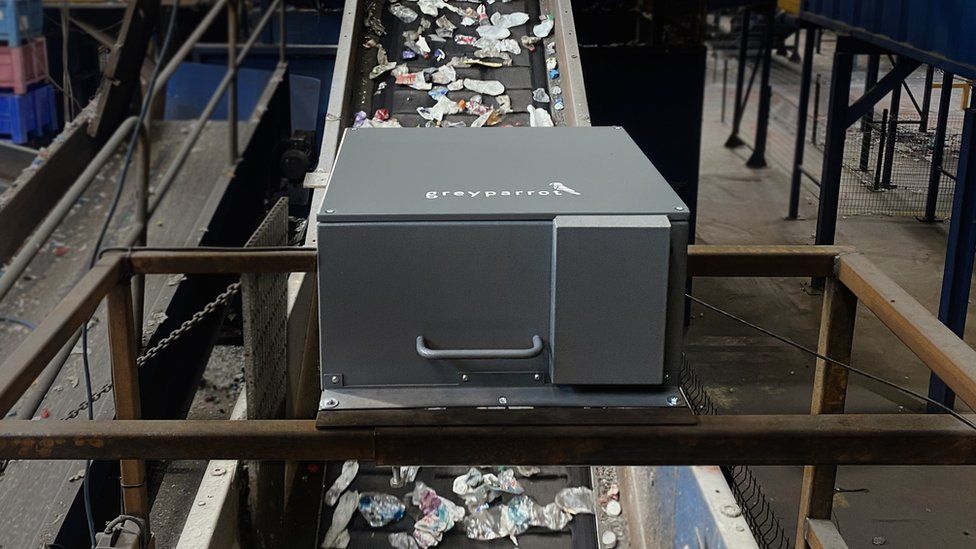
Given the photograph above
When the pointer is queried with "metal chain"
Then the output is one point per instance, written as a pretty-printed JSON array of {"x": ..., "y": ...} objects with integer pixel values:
[
  {"x": 188, "y": 325},
  {"x": 176, "y": 334}
]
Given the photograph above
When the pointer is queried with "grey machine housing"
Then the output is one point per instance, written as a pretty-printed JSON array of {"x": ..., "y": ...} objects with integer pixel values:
[{"x": 516, "y": 266}]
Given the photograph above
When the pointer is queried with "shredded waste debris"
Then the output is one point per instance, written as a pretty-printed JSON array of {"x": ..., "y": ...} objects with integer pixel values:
[
  {"x": 427, "y": 60},
  {"x": 495, "y": 506}
]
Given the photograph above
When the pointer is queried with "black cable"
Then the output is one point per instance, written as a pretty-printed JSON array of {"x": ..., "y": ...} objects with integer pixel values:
[
  {"x": 130, "y": 151},
  {"x": 848, "y": 367}
]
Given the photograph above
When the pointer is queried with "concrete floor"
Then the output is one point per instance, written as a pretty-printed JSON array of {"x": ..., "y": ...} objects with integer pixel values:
[{"x": 746, "y": 372}]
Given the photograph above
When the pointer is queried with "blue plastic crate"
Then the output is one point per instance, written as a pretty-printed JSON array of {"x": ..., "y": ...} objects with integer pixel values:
[
  {"x": 23, "y": 116},
  {"x": 20, "y": 20}
]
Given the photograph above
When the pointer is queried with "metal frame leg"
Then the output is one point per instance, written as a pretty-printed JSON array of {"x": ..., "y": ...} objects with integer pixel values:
[
  {"x": 801, "y": 123},
  {"x": 829, "y": 396},
  {"x": 758, "y": 157},
  {"x": 923, "y": 123},
  {"x": 892, "y": 130},
  {"x": 125, "y": 390},
  {"x": 960, "y": 250},
  {"x": 870, "y": 79},
  {"x": 938, "y": 148},
  {"x": 840, "y": 93},
  {"x": 740, "y": 78},
  {"x": 232, "y": 89}
]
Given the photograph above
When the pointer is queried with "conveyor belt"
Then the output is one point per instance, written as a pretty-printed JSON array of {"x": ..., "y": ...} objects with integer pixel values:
[
  {"x": 542, "y": 487},
  {"x": 526, "y": 72}
]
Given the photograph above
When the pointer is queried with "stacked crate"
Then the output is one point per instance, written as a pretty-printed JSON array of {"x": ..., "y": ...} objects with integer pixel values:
[{"x": 27, "y": 103}]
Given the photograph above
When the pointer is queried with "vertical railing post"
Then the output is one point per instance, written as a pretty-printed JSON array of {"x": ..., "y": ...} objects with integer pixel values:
[
  {"x": 725, "y": 85},
  {"x": 892, "y": 130},
  {"x": 142, "y": 222},
  {"x": 923, "y": 119},
  {"x": 125, "y": 390},
  {"x": 882, "y": 147},
  {"x": 938, "y": 148},
  {"x": 816, "y": 111},
  {"x": 758, "y": 157},
  {"x": 740, "y": 79},
  {"x": 833, "y": 158},
  {"x": 801, "y": 123},
  {"x": 957, "y": 274},
  {"x": 232, "y": 89},
  {"x": 282, "y": 41},
  {"x": 829, "y": 395},
  {"x": 870, "y": 79}
]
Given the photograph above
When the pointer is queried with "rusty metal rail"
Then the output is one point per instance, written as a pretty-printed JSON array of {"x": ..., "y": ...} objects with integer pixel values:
[{"x": 821, "y": 440}]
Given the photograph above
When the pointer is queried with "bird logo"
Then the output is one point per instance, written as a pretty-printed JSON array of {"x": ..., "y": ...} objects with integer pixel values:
[{"x": 557, "y": 186}]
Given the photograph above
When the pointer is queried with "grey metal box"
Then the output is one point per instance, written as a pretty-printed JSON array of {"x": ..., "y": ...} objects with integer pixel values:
[{"x": 526, "y": 256}]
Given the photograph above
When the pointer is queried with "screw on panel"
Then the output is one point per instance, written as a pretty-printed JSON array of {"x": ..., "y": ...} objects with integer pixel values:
[
  {"x": 679, "y": 208},
  {"x": 537, "y": 377},
  {"x": 672, "y": 400},
  {"x": 330, "y": 403},
  {"x": 464, "y": 377},
  {"x": 335, "y": 380},
  {"x": 502, "y": 400},
  {"x": 330, "y": 211}
]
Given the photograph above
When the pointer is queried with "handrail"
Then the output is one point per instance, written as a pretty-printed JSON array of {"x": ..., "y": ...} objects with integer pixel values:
[{"x": 36, "y": 241}]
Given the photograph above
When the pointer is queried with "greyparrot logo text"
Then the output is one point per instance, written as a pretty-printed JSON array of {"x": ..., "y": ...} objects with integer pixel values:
[{"x": 557, "y": 189}]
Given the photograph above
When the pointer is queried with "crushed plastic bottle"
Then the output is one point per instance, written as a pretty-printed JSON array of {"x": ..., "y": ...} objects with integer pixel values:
[
  {"x": 486, "y": 87},
  {"x": 350, "y": 467},
  {"x": 575, "y": 500},
  {"x": 380, "y": 509},
  {"x": 493, "y": 32},
  {"x": 485, "y": 525},
  {"x": 439, "y": 55},
  {"x": 504, "y": 482},
  {"x": 470, "y": 480},
  {"x": 509, "y": 20},
  {"x": 430, "y": 7},
  {"x": 409, "y": 54},
  {"x": 337, "y": 537},
  {"x": 553, "y": 74},
  {"x": 383, "y": 64},
  {"x": 464, "y": 39},
  {"x": 551, "y": 63},
  {"x": 539, "y": 118},
  {"x": 415, "y": 80},
  {"x": 440, "y": 515},
  {"x": 402, "y": 540},
  {"x": 540, "y": 95},
  {"x": 558, "y": 104},
  {"x": 444, "y": 75},
  {"x": 543, "y": 29},
  {"x": 442, "y": 108},
  {"x": 403, "y": 13}
]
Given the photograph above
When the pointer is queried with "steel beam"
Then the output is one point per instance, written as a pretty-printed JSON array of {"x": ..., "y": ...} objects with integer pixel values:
[
  {"x": 837, "y": 124},
  {"x": 758, "y": 157},
  {"x": 801, "y": 122},
  {"x": 829, "y": 396},
  {"x": 936, "y": 345},
  {"x": 957, "y": 276},
  {"x": 846, "y": 439},
  {"x": 938, "y": 148},
  {"x": 740, "y": 77}
]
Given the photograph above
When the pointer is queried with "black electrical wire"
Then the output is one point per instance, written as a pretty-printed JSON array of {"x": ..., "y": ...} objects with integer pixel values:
[
  {"x": 848, "y": 367},
  {"x": 120, "y": 183}
]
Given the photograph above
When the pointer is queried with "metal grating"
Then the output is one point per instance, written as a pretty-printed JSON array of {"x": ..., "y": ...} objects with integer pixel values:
[
  {"x": 265, "y": 309},
  {"x": 758, "y": 512}
]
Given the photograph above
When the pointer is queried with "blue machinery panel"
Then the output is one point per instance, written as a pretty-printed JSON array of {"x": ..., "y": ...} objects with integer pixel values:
[{"x": 936, "y": 32}]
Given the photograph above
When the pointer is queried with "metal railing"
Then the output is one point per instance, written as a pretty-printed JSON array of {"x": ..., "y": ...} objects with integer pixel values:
[
  {"x": 821, "y": 440},
  {"x": 146, "y": 206}
]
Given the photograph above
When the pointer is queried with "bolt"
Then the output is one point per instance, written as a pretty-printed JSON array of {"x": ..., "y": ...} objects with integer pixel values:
[
  {"x": 502, "y": 400},
  {"x": 731, "y": 511},
  {"x": 537, "y": 377},
  {"x": 464, "y": 377},
  {"x": 679, "y": 208},
  {"x": 672, "y": 400},
  {"x": 335, "y": 379},
  {"x": 330, "y": 211},
  {"x": 331, "y": 403}
]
